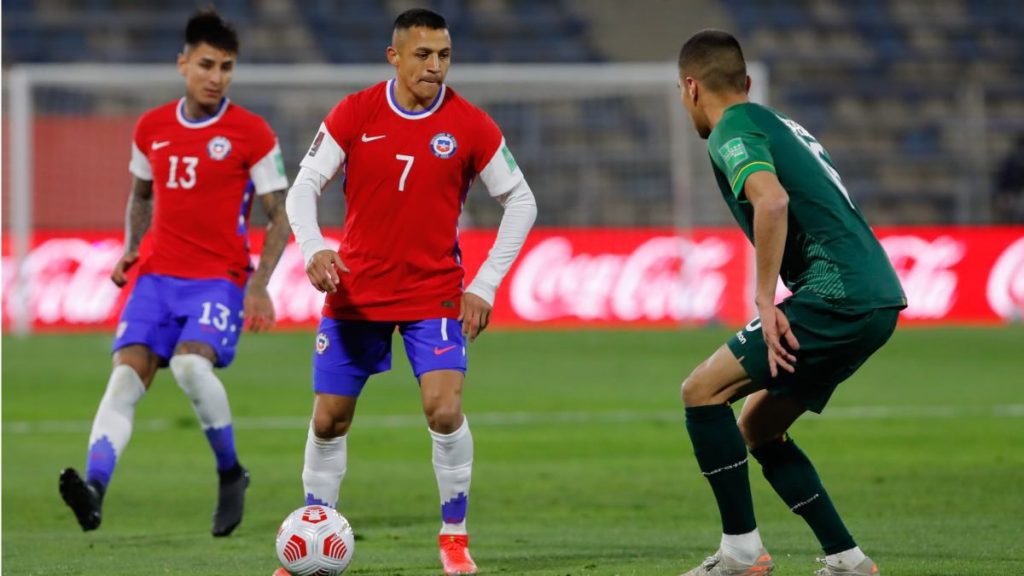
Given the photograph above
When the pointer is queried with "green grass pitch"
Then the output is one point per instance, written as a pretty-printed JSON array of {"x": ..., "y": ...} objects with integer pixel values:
[{"x": 583, "y": 466}]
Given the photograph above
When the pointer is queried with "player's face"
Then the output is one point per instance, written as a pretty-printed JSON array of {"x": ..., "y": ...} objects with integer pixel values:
[
  {"x": 689, "y": 94},
  {"x": 207, "y": 71},
  {"x": 421, "y": 57}
]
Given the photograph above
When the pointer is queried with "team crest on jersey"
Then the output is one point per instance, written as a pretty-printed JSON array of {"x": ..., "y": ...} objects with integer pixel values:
[
  {"x": 322, "y": 343},
  {"x": 218, "y": 147},
  {"x": 443, "y": 145}
]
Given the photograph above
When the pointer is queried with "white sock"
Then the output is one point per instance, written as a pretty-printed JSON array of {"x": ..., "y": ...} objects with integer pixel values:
[
  {"x": 743, "y": 547},
  {"x": 324, "y": 468},
  {"x": 453, "y": 467},
  {"x": 112, "y": 426},
  {"x": 847, "y": 558},
  {"x": 195, "y": 377}
]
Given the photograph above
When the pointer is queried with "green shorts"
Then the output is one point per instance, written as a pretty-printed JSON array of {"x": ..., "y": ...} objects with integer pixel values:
[{"x": 834, "y": 342}]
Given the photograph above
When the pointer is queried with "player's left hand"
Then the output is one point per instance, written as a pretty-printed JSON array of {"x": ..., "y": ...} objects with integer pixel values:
[
  {"x": 775, "y": 326},
  {"x": 259, "y": 309},
  {"x": 475, "y": 315}
]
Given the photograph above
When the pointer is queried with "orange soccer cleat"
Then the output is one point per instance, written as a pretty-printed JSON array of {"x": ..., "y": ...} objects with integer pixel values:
[{"x": 455, "y": 554}]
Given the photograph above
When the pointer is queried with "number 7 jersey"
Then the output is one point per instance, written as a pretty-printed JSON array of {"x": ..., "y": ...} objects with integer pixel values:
[
  {"x": 406, "y": 176},
  {"x": 205, "y": 176}
]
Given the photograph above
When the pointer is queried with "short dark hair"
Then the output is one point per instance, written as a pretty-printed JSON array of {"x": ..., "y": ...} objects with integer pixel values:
[
  {"x": 420, "y": 17},
  {"x": 207, "y": 26},
  {"x": 715, "y": 58}
]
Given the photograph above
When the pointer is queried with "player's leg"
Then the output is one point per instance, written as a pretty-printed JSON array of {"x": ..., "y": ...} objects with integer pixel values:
[
  {"x": 346, "y": 353},
  {"x": 764, "y": 422},
  {"x": 722, "y": 457},
  {"x": 142, "y": 340},
  {"x": 437, "y": 352}
]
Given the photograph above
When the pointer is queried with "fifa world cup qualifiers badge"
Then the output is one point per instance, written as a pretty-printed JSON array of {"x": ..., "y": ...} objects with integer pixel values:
[
  {"x": 443, "y": 145},
  {"x": 322, "y": 343},
  {"x": 218, "y": 147}
]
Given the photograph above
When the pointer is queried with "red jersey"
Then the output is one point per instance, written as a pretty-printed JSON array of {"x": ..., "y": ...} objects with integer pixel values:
[
  {"x": 205, "y": 174},
  {"x": 406, "y": 176}
]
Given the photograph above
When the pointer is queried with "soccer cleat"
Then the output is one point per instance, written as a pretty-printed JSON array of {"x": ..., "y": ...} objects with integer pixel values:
[
  {"x": 282, "y": 572},
  {"x": 455, "y": 554},
  {"x": 230, "y": 502},
  {"x": 867, "y": 567},
  {"x": 84, "y": 499},
  {"x": 722, "y": 565}
]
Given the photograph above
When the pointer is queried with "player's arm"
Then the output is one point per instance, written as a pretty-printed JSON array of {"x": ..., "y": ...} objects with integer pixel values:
[
  {"x": 322, "y": 263},
  {"x": 771, "y": 225},
  {"x": 321, "y": 163},
  {"x": 505, "y": 183},
  {"x": 138, "y": 217}
]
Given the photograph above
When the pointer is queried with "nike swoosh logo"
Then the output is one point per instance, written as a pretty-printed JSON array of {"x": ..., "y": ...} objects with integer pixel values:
[
  {"x": 366, "y": 138},
  {"x": 159, "y": 145},
  {"x": 439, "y": 351}
]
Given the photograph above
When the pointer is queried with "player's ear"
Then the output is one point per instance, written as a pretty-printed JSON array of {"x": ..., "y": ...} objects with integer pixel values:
[
  {"x": 393, "y": 56},
  {"x": 182, "y": 61},
  {"x": 746, "y": 88}
]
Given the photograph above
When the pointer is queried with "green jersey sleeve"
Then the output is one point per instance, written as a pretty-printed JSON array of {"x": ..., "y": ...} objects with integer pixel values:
[{"x": 739, "y": 148}]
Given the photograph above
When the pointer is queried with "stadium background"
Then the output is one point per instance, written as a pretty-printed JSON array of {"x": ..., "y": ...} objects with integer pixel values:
[{"x": 920, "y": 103}]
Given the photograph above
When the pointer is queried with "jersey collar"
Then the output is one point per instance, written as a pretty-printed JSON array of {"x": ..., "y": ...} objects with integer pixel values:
[
  {"x": 208, "y": 121},
  {"x": 390, "y": 91}
]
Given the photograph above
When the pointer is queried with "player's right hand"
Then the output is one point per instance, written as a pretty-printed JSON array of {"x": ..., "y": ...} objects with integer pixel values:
[
  {"x": 775, "y": 326},
  {"x": 323, "y": 269},
  {"x": 120, "y": 274}
]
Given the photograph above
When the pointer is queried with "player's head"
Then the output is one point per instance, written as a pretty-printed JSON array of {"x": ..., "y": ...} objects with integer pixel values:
[
  {"x": 711, "y": 69},
  {"x": 208, "y": 59},
  {"x": 420, "y": 51}
]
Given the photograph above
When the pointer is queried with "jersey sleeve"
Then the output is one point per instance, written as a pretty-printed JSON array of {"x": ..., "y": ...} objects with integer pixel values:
[
  {"x": 494, "y": 162},
  {"x": 266, "y": 167},
  {"x": 139, "y": 164},
  {"x": 740, "y": 148},
  {"x": 327, "y": 153}
]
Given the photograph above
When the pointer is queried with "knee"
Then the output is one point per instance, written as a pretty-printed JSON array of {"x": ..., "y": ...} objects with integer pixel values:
[
  {"x": 327, "y": 425},
  {"x": 189, "y": 368},
  {"x": 695, "y": 389},
  {"x": 753, "y": 436},
  {"x": 444, "y": 418}
]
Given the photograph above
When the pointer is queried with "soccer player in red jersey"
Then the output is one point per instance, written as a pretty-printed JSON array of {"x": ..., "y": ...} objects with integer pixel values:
[
  {"x": 408, "y": 150},
  {"x": 201, "y": 160}
]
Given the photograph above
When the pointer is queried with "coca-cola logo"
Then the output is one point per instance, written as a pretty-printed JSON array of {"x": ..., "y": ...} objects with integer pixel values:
[
  {"x": 69, "y": 282},
  {"x": 925, "y": 269},
  {"x": 1006, "y": 283},
  {"x": 665, "y": 278}
]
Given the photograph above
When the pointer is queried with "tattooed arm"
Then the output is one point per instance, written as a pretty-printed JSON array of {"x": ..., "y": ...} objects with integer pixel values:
[
  {"x": 259, "y": 309},
  {"x": 138, "y": 216}
]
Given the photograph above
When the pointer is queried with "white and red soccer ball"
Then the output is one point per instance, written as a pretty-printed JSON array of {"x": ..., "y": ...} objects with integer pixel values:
[{"x": 315, "y": 541}]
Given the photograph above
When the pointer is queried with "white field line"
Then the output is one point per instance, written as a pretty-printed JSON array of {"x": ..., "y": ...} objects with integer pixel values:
[{"x": 541, "y": 418}]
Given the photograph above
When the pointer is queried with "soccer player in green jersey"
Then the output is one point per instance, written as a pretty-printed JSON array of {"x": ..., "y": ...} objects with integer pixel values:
[{"x": 786, "y": 195}]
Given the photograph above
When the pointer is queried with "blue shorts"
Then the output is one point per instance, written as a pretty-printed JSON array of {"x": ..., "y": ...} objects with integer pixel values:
[
  {"x": 348, "y": 352},
  {"x": 164, "y": 310}
]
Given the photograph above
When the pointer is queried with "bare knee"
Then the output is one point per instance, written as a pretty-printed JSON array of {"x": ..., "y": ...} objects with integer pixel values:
[
  {"x": 443, "y": 417},
  {"x": 140, "y": 359},
  {"x": 697, "y": 389},
  {"x": 327, "y": 425}
]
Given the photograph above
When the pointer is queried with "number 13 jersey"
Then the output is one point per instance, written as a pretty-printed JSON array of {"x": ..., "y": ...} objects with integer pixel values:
[
  {"x": 205, "y": 176},
  {"x": 405, "y": 177}
]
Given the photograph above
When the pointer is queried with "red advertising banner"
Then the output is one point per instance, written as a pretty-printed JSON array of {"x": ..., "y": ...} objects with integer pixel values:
[{"x": 575, "y": 278}]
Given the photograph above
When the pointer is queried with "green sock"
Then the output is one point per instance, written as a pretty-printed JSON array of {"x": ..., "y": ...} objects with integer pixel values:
[
  {"x": 793, "y": 477},
  {"x": 722, "y": 457}
]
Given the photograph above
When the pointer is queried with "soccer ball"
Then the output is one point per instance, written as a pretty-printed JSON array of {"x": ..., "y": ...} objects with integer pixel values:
[{"x": 315, "y": 541}]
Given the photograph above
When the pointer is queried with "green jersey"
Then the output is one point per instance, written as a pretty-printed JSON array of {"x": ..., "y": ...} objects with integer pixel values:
[{"x": 830, "y": 250}]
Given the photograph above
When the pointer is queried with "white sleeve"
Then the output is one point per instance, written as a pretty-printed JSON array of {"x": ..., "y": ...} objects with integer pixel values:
[
  {"x": 139, "y": 165},
  {"x": 325, "y": 156},
  {"x": 505, "y": 181},
  {"x": 501, "y": 173},
  {"x": 268, "y": 174},
  {"x": 301, "y": 208}
]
